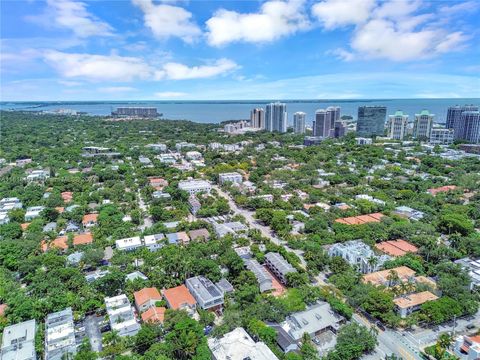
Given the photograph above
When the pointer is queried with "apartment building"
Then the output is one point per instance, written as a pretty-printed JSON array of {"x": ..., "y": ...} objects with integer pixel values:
[
  {"x": 60, "y": 340},
  {"x": 121, "y": 315},
  {"x": 279, "y": 266}
]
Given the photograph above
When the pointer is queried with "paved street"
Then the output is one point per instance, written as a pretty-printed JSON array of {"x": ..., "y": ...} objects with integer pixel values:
[
  {"x": 265, "y": 230},
  {"x": 92, "y": 331}
]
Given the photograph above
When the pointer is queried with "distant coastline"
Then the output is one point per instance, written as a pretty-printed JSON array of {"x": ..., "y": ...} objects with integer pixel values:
[{"x": 217, "y": 111}]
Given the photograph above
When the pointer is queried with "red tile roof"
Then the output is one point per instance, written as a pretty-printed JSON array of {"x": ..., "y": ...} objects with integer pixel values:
[
  {"x": 24, "y": 226},
  {"x": 59, "y": 243},
  {"x": 82, "y": 239},
  {"x": 362, "y": 219},
  {"x": 3, "y": 308},
  {"x": 435, "y": 191},
  {"x": 89, "y": 218},
  {"x": 154, "y": 315},
  {"x": 146, "y": 294},
  {"x": 396, "y": 247},
  {"x": 179, "y": 296},
  {"x": 67, "y": 196}
]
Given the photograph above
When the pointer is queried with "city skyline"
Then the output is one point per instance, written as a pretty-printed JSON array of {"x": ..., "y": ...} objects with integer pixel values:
[{"x": 74, "y": 50}]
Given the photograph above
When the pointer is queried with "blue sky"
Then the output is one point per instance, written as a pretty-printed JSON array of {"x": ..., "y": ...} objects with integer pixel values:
[{"x": 208, "y": 50}]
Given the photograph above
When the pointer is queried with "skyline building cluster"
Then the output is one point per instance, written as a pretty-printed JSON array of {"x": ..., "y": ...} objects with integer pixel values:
[{"x": 462, "y": 123}]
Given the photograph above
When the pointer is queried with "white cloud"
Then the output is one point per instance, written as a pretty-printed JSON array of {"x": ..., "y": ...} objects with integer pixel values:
[
  {"x": 73, "y": 15},
  {"x": 338, "y": 13},
  {"x": 177, "y": 71},
  {"x": 460, "y": 8},
  {"x": 124, "y": 68},
  {"x": 275, "y": 19},
  {"x": 393, "y": 30},
  {"x": 167, "y": 21},
  {"x": 169, "y": 94},
  {"x": 98, "y": 67},
  {"x": 69, "y": 83},
  {"x": 117, "y": 89}
]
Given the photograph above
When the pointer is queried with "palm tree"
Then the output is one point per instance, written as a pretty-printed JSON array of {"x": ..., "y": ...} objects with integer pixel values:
[
  {"x": 393, "y": 278},
  {"x": 372, "y": 261}
]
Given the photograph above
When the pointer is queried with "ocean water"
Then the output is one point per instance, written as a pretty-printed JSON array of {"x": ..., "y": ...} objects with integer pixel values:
[{"x": 218, "y": 111}]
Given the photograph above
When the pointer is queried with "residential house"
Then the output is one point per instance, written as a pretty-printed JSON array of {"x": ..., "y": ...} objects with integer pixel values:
[
  {"x": 180, "y": 237},
  {"x": 224, "y": 286},
  {"x": 205, "y": 292},
  {"x": 89, "y": 220},
  {"x": 195, "y": 205},
  {"x": 129, "y": 244},
  {"x": 67, "y": 196},
  {"x": 238, "y": 345},
  {"x": 33, "y": 212},
  {"x": 157, "y": 183},
  {"x": 146, "y": 298},
  {"x": 154, "y": 315},
  {"x": 60, "y": 335},
  {"x": 180, "y": 298},
  {"x": 279, "y": 266},
  {"x": 473, "y": 268},
  {"x": 199, "y": 235},
  {"x": 38, "y": 175},
  {"x": 83, "y": 239},
  {"x": 18, "y": 341},
  {"x": 467, "y": 347},
  {"x": 409, "y": 213},
  {"x": 441, "y": 189},
  {"x": 121, "y": 315},
  {"x": 154, "y": 242}
]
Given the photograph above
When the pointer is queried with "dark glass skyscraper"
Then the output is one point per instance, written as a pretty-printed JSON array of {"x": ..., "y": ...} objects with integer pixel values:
[
  {"x": 371, "y": 120},
  {"x": 468, "y": 127},
  {"x": 454, "y": 113}
]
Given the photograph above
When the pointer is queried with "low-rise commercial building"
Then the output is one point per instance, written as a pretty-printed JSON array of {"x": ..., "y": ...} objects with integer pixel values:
[
  {"x": 317, "y": 319},
  {"x": 60, "y": 340},
  {"x": 233, "y": 177},
  {"x": 121, "y": 315},
  {"x": 279, "y": 266},
  {"x": 195, "y": 186},
  {"x": 264, "y": 279},
  {"x": 238, "y": 345},
  {"x": 407, "y": 304},
  {"x": 359, "y": 255}
]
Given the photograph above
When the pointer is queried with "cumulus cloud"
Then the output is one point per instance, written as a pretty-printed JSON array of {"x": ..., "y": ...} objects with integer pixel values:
[
  {"x": 123, "y": 68},
  {"x": 98, "y": 67},
  {"x": 393, "y": 30},
  {"x": 275, "y": 20},
  {"x": 73, "y": 15},
  {"x": 338, "y": 13},
  {"x": 167, "y": 21},
  {"x": 176, "y": 71},
  {"x": 169, "y": 94}
]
